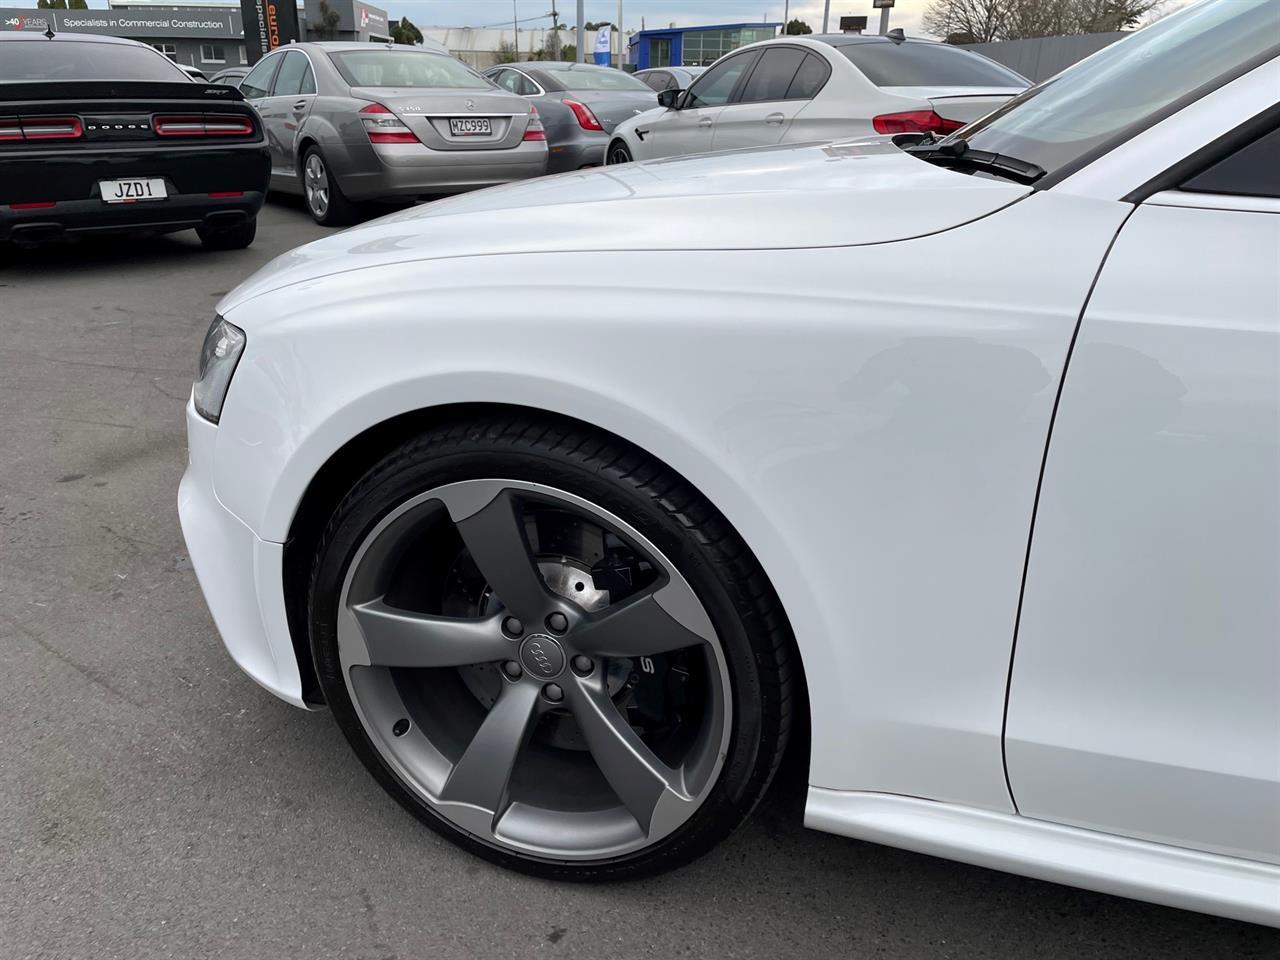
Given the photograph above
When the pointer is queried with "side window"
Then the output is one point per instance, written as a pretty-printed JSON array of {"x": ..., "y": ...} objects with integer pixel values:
[
  {"x": 506, "y": 79},
  {"x": 258, "y": 82},
  {"x": 810, "y": 78},
  {"x": 771, "y": 79},
  {"x": 673, "y": 82},
  {"x": 524, "y": 86},
  {"x": 289, "y": 79},
  {"x": 715, "y": 87},
  {"x": 1252, "y": 171},
  {"x": 308, "y": 81},
  {"x": 656, "y": 80}
]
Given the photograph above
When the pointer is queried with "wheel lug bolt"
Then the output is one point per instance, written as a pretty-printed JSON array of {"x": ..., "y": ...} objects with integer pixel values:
[
  {"x": 512, "y": 627},
  {"x": 512, "y": 669},
  {"x": 553, "y": 692},
  {"x": 558, "y": 622},
  {"x": 582, "y": 664}
]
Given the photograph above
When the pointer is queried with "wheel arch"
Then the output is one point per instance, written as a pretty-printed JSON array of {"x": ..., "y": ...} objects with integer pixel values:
[{"x": 343, "y": 468}]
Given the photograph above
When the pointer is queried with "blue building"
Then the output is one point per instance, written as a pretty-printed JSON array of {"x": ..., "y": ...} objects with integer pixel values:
[{"x": 694, "y": 46}]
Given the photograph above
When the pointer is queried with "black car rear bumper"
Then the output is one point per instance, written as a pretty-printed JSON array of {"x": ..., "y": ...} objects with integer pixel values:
[{"x": 218, "y": 184}]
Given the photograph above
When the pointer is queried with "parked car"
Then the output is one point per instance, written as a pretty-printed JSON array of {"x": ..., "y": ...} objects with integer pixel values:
[
  {"x": 100, "y": 134},
  {"x": 579, "y": 103},
  {"x": 192, "y": 72},
  {"x": 231, "y": 76},
  {"x": 351, "y": 122},
  {"x": 797, "y": 89},
  {"x": 573, "y": 500},
  {"x": 669, "y": 78}
]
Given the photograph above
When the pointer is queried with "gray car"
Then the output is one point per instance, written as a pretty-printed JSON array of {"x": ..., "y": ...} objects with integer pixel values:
[
  {"x": 669, "y": 78},
  {"x": 580, "y": 104},
  {"x": 353, "y": 122}
]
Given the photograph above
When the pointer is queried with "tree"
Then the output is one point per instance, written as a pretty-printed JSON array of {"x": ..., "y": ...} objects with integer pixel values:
[
  {"x": 326, "y": 27},
  {"x": 965, "y": 21},
  {"x": 405, "y": 32},
  {"x": 796, "y": 28},
  {"x": 981, "y": 21},
  {"x": 51, "y": 4},
  {"x": 569, "y": 52},
  {"x": 506, "y": 52}
]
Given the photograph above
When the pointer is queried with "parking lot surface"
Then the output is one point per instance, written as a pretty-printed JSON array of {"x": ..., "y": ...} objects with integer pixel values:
[{"x": 154, "y": 802}]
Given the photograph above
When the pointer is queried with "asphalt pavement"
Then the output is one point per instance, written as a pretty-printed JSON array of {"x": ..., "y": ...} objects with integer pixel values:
[{"x": 154, "y": 802}]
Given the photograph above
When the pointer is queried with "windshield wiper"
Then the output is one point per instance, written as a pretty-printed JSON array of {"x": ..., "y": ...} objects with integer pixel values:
[{"x": 956, "y": 153}]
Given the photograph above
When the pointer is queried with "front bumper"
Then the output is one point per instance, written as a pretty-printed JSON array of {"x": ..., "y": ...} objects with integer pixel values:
[{"x": 240, "y": 575}]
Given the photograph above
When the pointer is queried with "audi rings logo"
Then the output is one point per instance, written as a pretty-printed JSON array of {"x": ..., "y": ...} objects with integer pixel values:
[{"x": 542, "y": 656}]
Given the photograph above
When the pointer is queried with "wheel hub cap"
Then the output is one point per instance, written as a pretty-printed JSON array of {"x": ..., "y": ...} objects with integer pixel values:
[{"x": 542, "y": 656}]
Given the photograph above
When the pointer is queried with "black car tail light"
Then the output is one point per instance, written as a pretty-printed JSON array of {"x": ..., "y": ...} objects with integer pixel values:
[
  {"x": 201, "y": 125},
  {"x": 40, "y": 128}
]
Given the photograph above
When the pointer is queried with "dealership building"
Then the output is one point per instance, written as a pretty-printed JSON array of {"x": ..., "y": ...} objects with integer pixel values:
[
  {"x": 207, "y": 35},
  {"x": 694, "y": 46}
]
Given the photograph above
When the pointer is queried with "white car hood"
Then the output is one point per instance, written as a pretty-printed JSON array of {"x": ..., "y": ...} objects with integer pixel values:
[{"x": 806, "y": 195}]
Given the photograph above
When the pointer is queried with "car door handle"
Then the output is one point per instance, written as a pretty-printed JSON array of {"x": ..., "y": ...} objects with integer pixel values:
[
  {"x": 775, "y": 118},
  {"x": 300, "y": 105},
  {"x": 704, "y": 122}
]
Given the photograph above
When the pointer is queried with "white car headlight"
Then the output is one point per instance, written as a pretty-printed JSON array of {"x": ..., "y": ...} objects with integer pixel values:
[{"x": 223, "y": 345}]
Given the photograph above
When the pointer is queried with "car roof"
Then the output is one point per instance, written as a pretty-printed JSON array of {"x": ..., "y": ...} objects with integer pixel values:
[
  {"x": 429, "y": 46},
  {"x": 853, "y": 39},
  {"x": 556, "y": 65},
  {"x": 33, "y": 36}
]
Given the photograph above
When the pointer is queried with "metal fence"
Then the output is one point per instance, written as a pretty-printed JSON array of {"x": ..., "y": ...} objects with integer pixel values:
[{"x": 1042, "y": 57}]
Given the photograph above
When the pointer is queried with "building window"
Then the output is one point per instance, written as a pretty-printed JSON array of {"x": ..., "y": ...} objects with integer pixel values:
[
  {"x": 213, "y": 53},
  {"x": 170, "y": 50},
  {"x": 660, "y": 52},
  {"x": 704, "y": 47}
]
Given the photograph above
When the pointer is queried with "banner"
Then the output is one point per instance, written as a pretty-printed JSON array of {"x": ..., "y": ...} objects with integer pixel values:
[
  {"x": 603, "y": 41},
  {"x": 268, "y": 24}
]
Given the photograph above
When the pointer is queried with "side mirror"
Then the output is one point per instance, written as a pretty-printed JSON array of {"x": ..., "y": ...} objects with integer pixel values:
[{"x": 670, "y": 99}]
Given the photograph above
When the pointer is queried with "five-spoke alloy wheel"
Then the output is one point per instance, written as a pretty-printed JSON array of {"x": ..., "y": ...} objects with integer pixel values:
[{"x": 535, "y": 675}]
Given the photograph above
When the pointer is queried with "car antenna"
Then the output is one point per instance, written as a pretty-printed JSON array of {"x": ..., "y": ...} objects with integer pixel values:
[
  {"x": 896, "y": 35},
  {"x": 48, "y": 32}
]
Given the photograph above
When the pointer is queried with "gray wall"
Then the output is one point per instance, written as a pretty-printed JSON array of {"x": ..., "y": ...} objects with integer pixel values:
[{"x": 1041, "y": 58}]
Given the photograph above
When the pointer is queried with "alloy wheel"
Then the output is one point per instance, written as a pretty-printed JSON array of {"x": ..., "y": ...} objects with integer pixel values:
[
  {"x": 316, "y": 185},
  {"x": 534, "y": 669}
]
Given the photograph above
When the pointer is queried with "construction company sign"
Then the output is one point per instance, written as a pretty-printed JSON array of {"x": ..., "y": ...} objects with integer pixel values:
[
  {"x": 268, "y": 24},
  {"x": 123, "y": 23}
]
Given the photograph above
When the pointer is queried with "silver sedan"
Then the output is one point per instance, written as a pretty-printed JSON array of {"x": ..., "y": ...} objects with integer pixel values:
[{"x": 354, "y": 122}]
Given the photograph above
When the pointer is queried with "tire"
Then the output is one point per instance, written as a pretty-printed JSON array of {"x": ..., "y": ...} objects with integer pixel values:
[
  {"x": 618, "y": 153},
  {"x": 235, "y": 237},
  {"x": 732, "y": 687},
  {"x": 322, "y": 194}
]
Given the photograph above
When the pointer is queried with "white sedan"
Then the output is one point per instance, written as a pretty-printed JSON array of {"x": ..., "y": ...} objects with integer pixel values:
[
  {"x": 827, "y": 87},
  {"x": 576, "y": 500}
]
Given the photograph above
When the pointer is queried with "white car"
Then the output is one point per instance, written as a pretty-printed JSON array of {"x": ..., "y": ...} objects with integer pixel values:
[
  {"x": 574, "y": 500},
  {"x": 827, "y": 87}
]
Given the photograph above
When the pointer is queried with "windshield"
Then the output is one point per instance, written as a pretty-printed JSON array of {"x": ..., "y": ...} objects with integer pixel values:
[
  {"x": 927, "y": 65},
  {"x": 406, "y": 68},
  {"x": 1119, "y": 91},
  {"x": 594, "y": 78},
  {"x": 84, "y": 60}
]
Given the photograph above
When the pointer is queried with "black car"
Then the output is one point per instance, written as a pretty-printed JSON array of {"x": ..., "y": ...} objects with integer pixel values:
[{"x": 101, "y": 134}]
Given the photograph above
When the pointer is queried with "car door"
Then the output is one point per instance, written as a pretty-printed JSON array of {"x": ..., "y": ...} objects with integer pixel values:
[
  {"x": 1145, "y": 692},
  {"x": 762, "y": 110},
  {"x": 292, "y": 93},
  {"x": 690, "y": 128}
]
